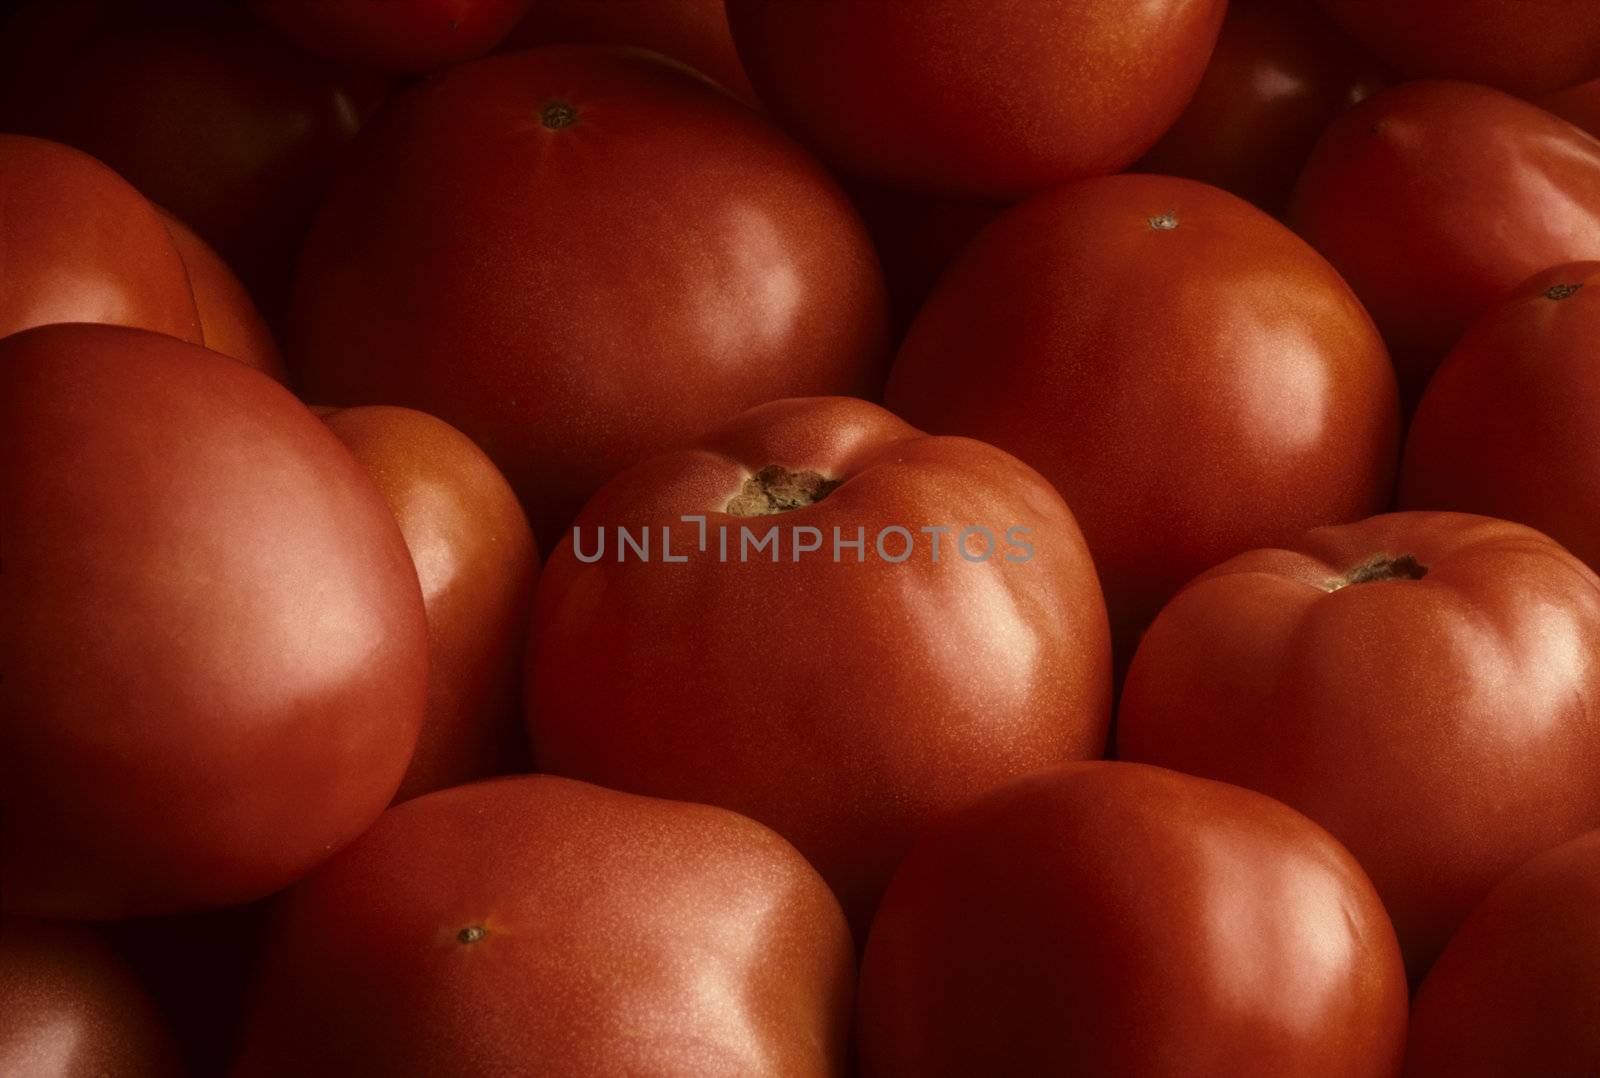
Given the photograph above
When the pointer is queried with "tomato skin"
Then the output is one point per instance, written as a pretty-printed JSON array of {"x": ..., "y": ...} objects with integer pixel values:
[
  {"x": 972, "y": 100},
  {"x": 229, "y": 321},
  {"x": 1110, "y": 918},
  {"x": 1441, "y": 728},
  {"x": 1028, "y": 343},
  {"x": 477, "y": 563},
  {"x": 845, "y": 705},
  {"x": 1436, "y": 199},
  {"x": 617, "y": 935},
  {"x": 1515, "y": 990},
  {"x": 402, "y": 37},
  {"x": 1579, "y": 105},
  {"x": 173, "y": 712}
]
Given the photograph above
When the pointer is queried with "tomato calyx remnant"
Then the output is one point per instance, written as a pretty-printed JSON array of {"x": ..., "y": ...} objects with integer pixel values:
[
  {"x": 471, "y": 934},
  {"x": 1381, "y": 568},
  {"x": 558, "y": 114},
  {"x": 775, "y": 489},
  {"x": 1560, "y": 292},
  {"x": 1166, "y": 222}
]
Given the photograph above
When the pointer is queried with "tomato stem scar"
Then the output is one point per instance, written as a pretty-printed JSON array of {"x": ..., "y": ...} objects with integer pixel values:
[
  {"x": 558, "y": 114},
  {"x": 775, "y": 489},
  {"x": 471, "y": 934},
  {"x": 1381, "y": 568}
]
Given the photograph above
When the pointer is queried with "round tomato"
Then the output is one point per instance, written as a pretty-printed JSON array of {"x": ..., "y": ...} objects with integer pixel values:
[
  {"x": 1579, "y": 105},
  {"x": 477, "y": 562},
  {"x": 1421, "y": 684},
  {"x": 1192, "y": 377},
  {"x": 215, "y": 651},
  {"x": 406, "y": 37},
  {"x": 579, "y": 256},
  {"x": 536, "y": 925},
  {"x": 1436, "y": 199},
  {"x": 844, "y": 696},
  {"x": 969, "y": 99},
  {"x": 229, "y": 321},
  {"x": 1108, "y": 918}
]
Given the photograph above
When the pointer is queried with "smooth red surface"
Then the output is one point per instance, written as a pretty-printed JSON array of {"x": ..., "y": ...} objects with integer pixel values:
[
  {"x": 229, "y": 321},
  {"x": 1510, "y": 424},
  {"x": 77, "y": 244},
  {"x": 69, "y": 1007},
  {"x": 402, "y": 36},
  {"x": 605, "y": 934},
  {"x": 477, "y": 563},
  {"x": 973, "y": 99},
  {"x": 1517, "y": 991},
  {"x": 215, "y": 645},
  {"x": 1108, "y": 918},
  {"x": 1442, "y": 728},
  {"x": 1436, "y": 199},
  {"x": 845, "y": 705},
  {"x": 1192, "y": 391},
  {"x": 575, "y": 298},
  {"x": 1579, "y": 104},
  {"x": 1280, "y": 74}
]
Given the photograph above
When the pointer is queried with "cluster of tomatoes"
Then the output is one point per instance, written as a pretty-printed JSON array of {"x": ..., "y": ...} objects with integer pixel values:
[{"x": 1070, "y": 531}]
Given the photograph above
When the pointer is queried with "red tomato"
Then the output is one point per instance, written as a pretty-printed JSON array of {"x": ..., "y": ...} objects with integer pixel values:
[
  {"x": 846, "y": 703},
  {"x": 1280, "y": 74},
  {"x": 536, "y": 925},
  {"x": 1421, "y": 684},
  {"x": 215, "y": 647},
  {"x": 77, "y": 244},
  {"x": 1193, "y": 379},
  {"x": 229, "y": 321},
  {"x": 970, "y": 99},
  {"x": 407, "y": 37},
  {"x": 580, "y": 256},
  {"x": 1579, "y": 105},
  {"x": 1525, "y": 46},
  {"x": 477, "y": 563},
  {"x": 1515, "y": 991},
  {"x": 1436, "y": 199},
  {"x": 1510, "y": 425},
  {"x": 70, "y": 1007},
  {"x": 1109, "y": 918}
]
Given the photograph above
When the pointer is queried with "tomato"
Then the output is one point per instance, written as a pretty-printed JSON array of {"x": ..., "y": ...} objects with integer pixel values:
[
  {"x": 1436, "y": 199},
  {"x": 1421, "y": 684},
  {"x": 974, "y": 100},
  {"x": 1193, "y": 379},
  {"x": 580, "y": 256},
  {"x": 400, "y": 36},
  {"x": 1108, "y": 918},
  {"x": 229, "y": 321},
  {"x": 215, "y": 647},
  {"x": 1280, "y": 74},
  {"x": 845, "y": 704},
  {"x": 477, "y": 563},
  {"x": 77, "y": 244},
  {"x": 1579, "y": 105},
  {"x": 1528, "y": 46},
  {"x": 69, "y": 1006},
  {"x": 536, "y": 925},
  {"x": 1515, "y": 991}
]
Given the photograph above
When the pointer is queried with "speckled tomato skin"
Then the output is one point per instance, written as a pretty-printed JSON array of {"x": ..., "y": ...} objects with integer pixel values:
[
  {"x": 844, "y": 705},
  {"x": 616, "y": 935},
  {"x": 976, "y": 100},
  {"x": 1441, "y": 728},
  {"x": 229, "y": 321},
  {"x": 405, "y": 37},
  {"x": 1110, "y": 918},
  {"x": 1192, "y": 391}
]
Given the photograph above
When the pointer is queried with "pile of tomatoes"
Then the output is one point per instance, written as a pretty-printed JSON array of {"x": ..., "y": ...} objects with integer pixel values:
[{"x": 1069, "y": 533}]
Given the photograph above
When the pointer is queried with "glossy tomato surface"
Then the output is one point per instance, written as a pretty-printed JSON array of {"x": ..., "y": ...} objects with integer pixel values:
[
  {"x": 1579, "y": 104},
  {"x": 536, "y": 925},
  {"x": 1192, "y": 377},
  {"x": 580, "y": 256},
  {"x": 1510, "y": 424},
  {"x": 1436, "y": 199},
  {"x": 846, "y": 704},
  {"x": 476, "y": 562},
  {"x": 968, "y": 99},
  {"x": 1421, "y": 684},
  {"x": 215, "y": 650},
  {"x": 229, "y": 321},
  {"x": 1108, "y": 918},
  {"x": 401, "y": 36}
]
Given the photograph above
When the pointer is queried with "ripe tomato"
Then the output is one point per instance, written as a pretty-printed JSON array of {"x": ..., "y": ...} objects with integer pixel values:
[
  {"x": 477, "y": 563},
  {"x": 536, "y": 925},
  {"x": 1579, "y": 105},
  {"x": 580, "y": 256},
  {"x": 1109, "y": 918},
  {"x": 1436, "y": 199},
  {"x": 1515, "y": 991},
  {"x": 1280, "y": 74},
  {"x": 1192, "y": 377},
  {"x": 968, "y": 99},
  {"x": 847, "y": 703},
  {"x": 229, "y": 321},
  {"x": 1421, "y": 684},
  {"x": 214, "y": 642},
  {"x": 77, "y": 244},
  {"x": 407, "y": 37},
  {"x": 1510, "y": 425}
]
